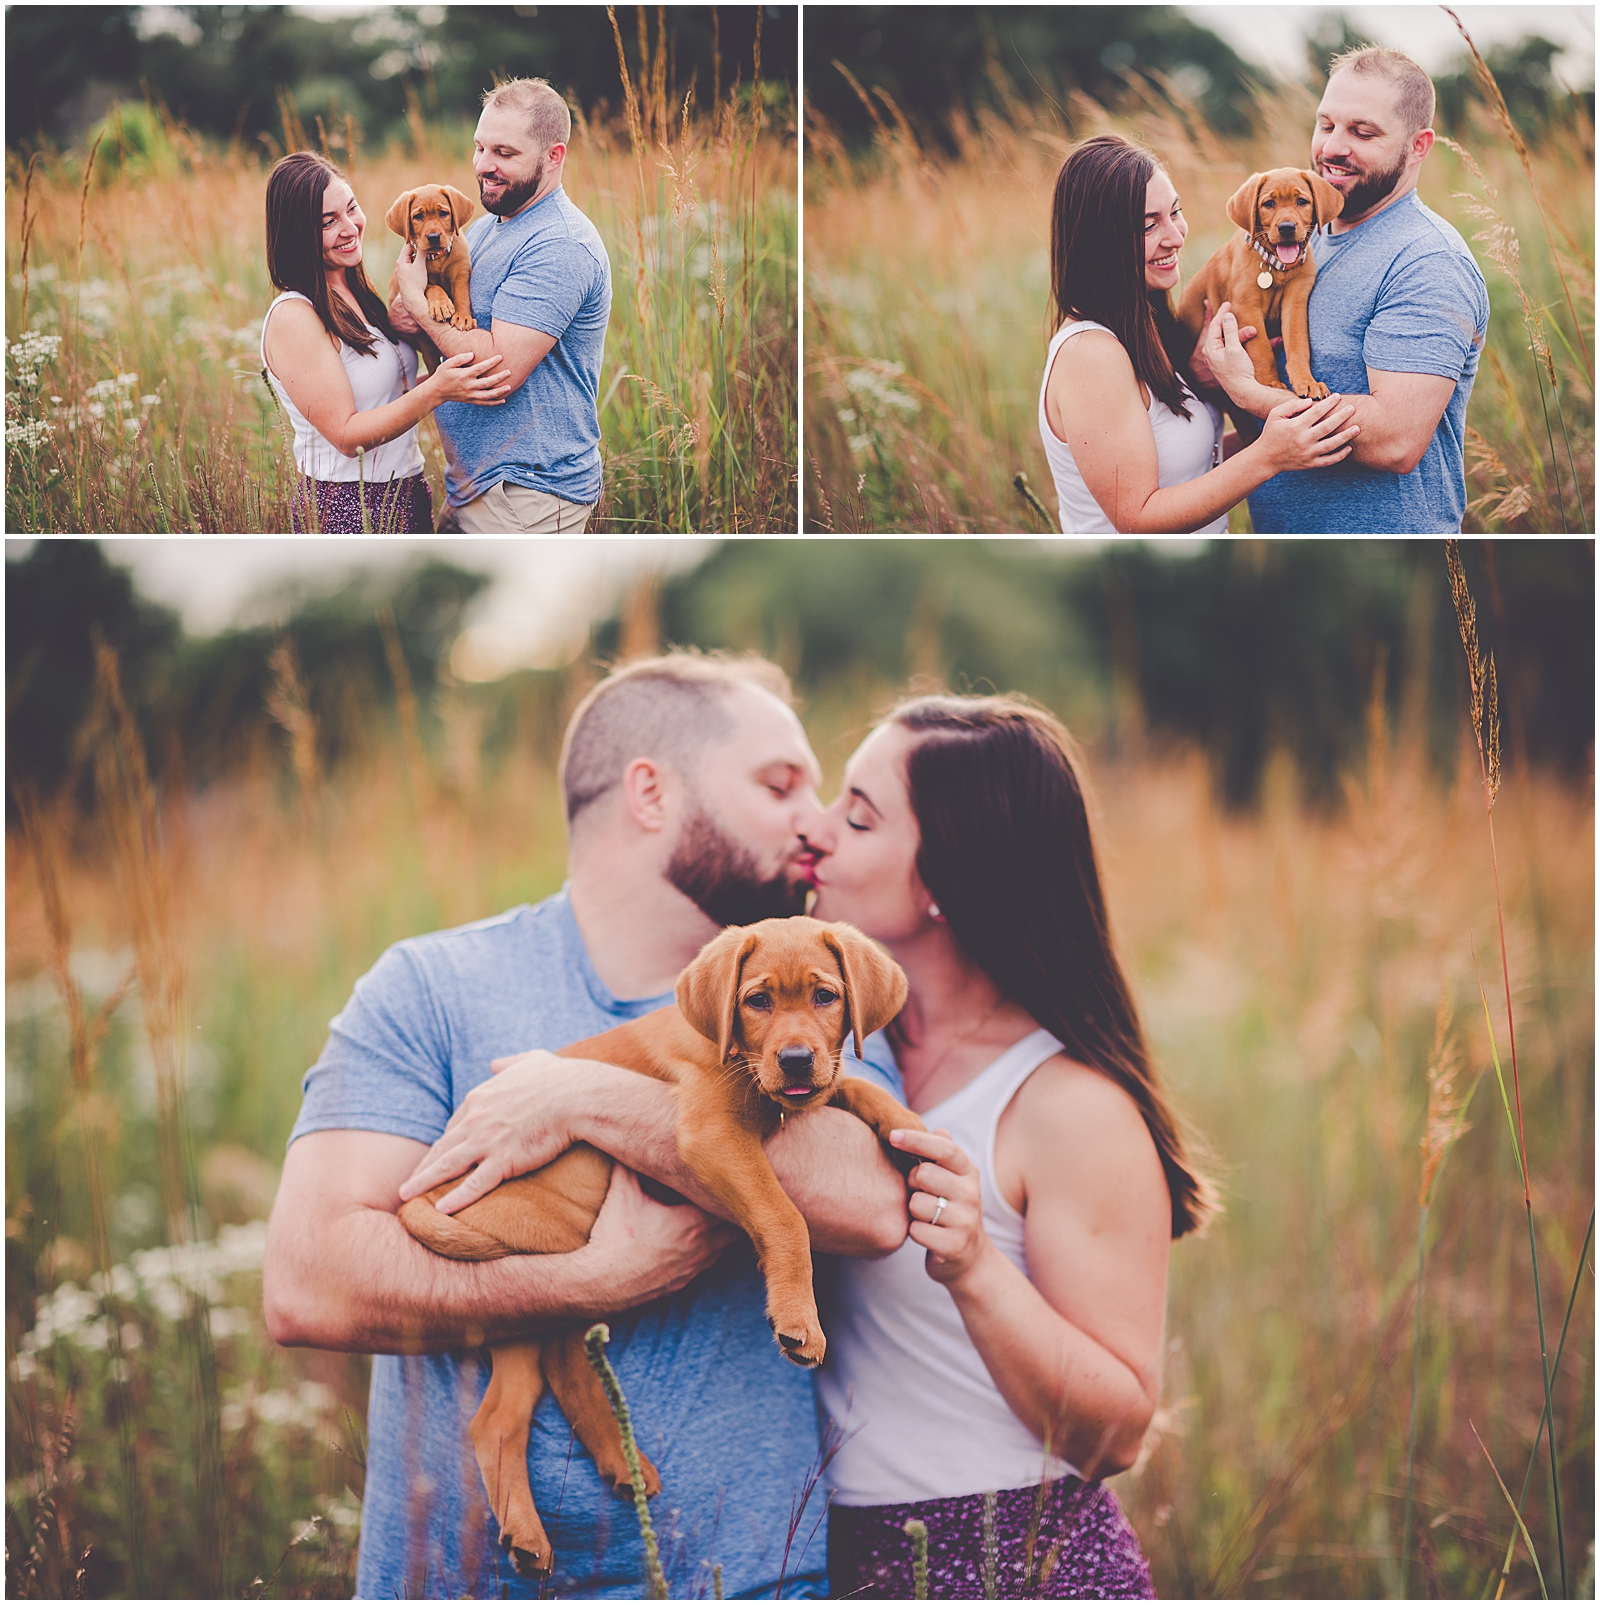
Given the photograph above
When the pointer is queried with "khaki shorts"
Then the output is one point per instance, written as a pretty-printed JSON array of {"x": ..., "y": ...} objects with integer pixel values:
[{"x": 507, "y": 509}]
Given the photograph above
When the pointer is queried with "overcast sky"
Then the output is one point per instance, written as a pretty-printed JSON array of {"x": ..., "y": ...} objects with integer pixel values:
[{"x": 1274, "y": 36}]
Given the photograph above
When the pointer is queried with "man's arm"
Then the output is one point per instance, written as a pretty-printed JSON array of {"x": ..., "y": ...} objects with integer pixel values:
[
  {"x": 341, "y": 1271},
  {"x": 521, "y": 349},
  {"x": 1398, "y": 418},
  {"x": 1398, "y": 415},
  {"x": 537, "y": 1105}
]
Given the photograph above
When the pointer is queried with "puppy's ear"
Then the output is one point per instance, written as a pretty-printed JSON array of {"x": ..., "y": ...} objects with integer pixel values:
[
  {"x": 396, "y": 219},
  {"x": 708, "y": 990},
  {"x": 461, "y": 206},
  {"x": 874, "y": 985},
  {"x": 1242, "y": 203},
  {"x": 1327, "y": 200}
]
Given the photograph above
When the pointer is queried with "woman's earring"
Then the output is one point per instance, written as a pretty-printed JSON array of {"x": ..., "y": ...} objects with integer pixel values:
[{"x": 934, "y": 914}]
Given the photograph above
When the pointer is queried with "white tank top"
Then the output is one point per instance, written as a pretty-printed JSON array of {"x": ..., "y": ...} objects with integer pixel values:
[
  {"x": 383, "y": 377},
  {"x": 922, "y": 1415},
  {"x": 1184, "y": 449}
]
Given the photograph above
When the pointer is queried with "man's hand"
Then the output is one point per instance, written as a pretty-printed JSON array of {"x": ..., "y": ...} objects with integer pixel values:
[
  {"x": 401, "y": 319},
  {"x": 1208, "y": 372},
  {"x": 411, "y": 276},
  {"x": 507, "y": 1126},
  {"x": 640, "y": 1250}
]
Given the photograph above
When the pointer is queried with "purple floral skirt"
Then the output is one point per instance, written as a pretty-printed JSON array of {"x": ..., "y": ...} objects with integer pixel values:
[
  {"x": 1061, "y": 1540},
  {"x": 335, "y": 507}
]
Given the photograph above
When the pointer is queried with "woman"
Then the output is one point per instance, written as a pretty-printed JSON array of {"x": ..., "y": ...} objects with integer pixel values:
[
  {"x": 347, "y": 383},
  {"x": 1011, "y": 1348},
  {"x": 1131, "y": 446}
]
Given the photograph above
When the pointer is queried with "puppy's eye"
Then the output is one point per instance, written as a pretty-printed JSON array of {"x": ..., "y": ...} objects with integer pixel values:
[
  {"x": 759, "y": 1001},
  {"x": 823, "y": 997}
]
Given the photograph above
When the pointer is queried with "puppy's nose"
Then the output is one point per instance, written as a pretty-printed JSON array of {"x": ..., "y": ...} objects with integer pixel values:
[
  {"x": 796, "y": 1062},
  {"x": 433, "y": 239},
  {"x": 1286, "y": 230}
]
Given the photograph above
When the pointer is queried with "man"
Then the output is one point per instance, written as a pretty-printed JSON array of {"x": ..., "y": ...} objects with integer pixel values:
[
  {"x": 1398, "y": 317},
  {"x": 541, "y": 295},
  {"x": 688, "y": 782}
]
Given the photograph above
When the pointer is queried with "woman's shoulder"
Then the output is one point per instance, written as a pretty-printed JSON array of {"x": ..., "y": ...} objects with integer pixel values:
[
  {"x": 293, "y": 325},
  {"x": 293, "y": 312},
  {"x": 1065, "y": 1102},
  {"x": 1083, "y": 347}
]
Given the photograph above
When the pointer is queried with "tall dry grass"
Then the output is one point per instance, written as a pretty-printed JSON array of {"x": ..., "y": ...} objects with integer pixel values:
[
  {"x": 135, "y": 293},
  {"x": 1289, "y": 964},
  {"x": 927, "y": 294}
]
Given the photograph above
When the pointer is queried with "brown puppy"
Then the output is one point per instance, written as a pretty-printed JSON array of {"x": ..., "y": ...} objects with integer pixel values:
[
  {"x": 432, "y": 216},
  {"x": 761, "y": 1016},
  {"x": 1267, "y": 271}
]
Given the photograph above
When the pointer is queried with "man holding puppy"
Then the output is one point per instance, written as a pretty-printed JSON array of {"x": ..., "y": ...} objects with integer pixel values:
[
  {"x": 1398, "y": 316},
  {"x": 688, "y": 785},
  {"x": 541, "y": 296}
]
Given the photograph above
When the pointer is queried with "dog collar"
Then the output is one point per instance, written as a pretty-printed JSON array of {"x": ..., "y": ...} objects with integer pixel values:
[{"x": 1265, "y": 281}]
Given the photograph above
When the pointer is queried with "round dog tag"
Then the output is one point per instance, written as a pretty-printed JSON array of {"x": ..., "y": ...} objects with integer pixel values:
[{"x": 1264, "y": 279}]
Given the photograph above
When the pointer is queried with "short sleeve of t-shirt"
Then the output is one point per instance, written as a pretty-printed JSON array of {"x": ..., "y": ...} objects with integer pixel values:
[
  {"x": 547, "y": 288},
  {"x": 386, "y": 1065},
  {"x": 875, "y": 1064},
  {"x": 1428, "y": 317}
]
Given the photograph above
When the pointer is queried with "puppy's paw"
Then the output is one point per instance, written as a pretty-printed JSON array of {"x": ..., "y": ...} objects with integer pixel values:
[
  {"x": 534, "y": 1564},
  {"x": 1310, "y": 389},
  {"x": 799, "y": 1337},
  {"x": 461, "y": 321},
  {"x": 618, "y": 1475}
]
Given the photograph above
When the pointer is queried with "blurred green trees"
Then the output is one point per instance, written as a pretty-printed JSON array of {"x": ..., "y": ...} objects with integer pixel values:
[
  {"x": 1243, "y": 648},
  {"x": 222, "y": 69}
]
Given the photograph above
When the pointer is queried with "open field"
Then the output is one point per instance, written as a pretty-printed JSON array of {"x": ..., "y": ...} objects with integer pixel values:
[
  {"x": 1291, "y": 965},
  {"x": 927, "y": 296},
  {"x": 135, "y": 401}
]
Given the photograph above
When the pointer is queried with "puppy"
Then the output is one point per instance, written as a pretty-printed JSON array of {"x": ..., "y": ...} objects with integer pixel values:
[
  {"x": 1267, "y": 271},
  {"x": 432, "y": 216},
  {"x": 754, "y": 1038}
]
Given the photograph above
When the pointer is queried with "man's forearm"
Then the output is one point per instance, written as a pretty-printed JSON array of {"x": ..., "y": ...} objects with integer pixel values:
[
  {"x": 827, "y": 1161},
  {"x": 365, "y": 1285},
  {"x": 449, "y": 340}
]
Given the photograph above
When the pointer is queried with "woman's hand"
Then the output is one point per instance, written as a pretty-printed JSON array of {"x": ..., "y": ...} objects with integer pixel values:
[
  {"x": 1308, "y": 434},
  {"x": 506, "y": 1126},
  {"x": 459, "y": 378},
  {"x": 958, "y": 1242}
]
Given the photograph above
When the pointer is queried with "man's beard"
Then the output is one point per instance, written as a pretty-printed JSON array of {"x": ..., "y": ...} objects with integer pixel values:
[
  {"x": 514, "y": 196},
  {"x": 1361, "y": 196},
  {"x": 722, "y": 879}
]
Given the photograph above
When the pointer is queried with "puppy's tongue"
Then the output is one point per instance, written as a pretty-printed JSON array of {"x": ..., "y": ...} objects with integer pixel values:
[{"x": 1288, "y": 254}]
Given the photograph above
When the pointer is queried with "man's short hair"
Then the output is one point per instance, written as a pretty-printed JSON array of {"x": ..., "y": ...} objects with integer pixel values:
[
  {"x": 543, "y": 110},
  {"x": 669, "y": 708},
  {"x": 1415, "y": 100}
]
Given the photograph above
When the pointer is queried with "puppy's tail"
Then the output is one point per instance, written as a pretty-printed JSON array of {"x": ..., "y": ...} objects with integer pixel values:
[{"x": 446, "y": 1235}]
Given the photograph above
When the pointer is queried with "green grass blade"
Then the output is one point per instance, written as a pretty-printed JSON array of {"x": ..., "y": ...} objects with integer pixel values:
[
  {"x": 1533, "y": 1554},
  {"x": 1499, "y": 1076}
]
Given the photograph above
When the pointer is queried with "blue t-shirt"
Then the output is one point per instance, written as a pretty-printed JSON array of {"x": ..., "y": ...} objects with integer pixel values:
[
  {"x": 730, "y": 1424},
  {"x": 1399, "y": 293},
  {"x": 545, "y": 269}
]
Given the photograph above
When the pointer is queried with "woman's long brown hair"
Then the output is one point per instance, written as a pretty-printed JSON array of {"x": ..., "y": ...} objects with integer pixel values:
[
  {"x": 1008, "y": 856},
  {"x": 295, "y": 188},
  {"x": 1097, "y": 260}
]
